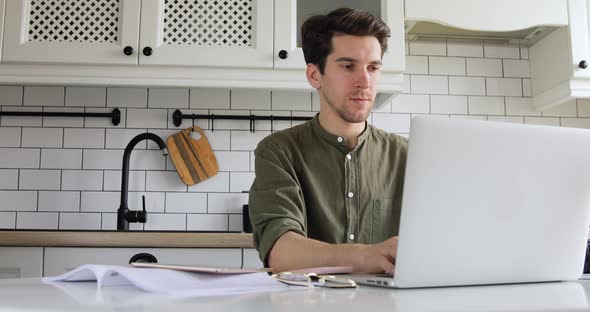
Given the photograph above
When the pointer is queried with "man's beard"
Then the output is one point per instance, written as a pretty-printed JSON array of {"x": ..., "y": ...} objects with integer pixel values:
[{"x": 350, "y": 117}]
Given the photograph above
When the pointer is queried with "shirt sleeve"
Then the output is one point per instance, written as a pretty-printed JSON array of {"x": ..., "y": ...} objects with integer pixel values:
[{"x": 275, "y": 200}]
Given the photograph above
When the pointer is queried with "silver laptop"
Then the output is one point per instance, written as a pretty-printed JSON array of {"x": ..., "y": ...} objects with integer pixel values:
[{"x": 491, "y": 203}]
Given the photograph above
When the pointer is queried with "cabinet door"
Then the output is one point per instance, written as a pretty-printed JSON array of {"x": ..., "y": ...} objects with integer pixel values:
[
  {"x": 251, "y": 260},
  {"x": 216, "y": 33},
  {"x": 59, "y": 260},
  {"x": 17, "y": 262},
  {"x": 71, "y": 31},
  {"x": 290, "y": 14},
  {"x": 486, "y": 15},
  {"x": 579, "y": 36}
]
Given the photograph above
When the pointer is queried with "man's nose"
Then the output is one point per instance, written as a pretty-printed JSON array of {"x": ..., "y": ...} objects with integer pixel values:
[{"x": 363, "y": 79}]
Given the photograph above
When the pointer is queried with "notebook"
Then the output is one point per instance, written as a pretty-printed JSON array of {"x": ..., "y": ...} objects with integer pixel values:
[{"x": 491, "y": 203}]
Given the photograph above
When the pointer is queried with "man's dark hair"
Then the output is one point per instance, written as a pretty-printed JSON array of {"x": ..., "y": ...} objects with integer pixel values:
[{"x": 318, "y": 30}]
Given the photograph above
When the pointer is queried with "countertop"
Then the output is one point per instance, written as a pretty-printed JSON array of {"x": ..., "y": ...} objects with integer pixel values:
[
  {"x": 155, "y": 239},
  {"x": 30, "y": 294}
]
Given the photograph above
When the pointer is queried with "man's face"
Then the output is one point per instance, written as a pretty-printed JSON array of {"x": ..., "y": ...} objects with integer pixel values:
[{"x": 348, "y": 85}]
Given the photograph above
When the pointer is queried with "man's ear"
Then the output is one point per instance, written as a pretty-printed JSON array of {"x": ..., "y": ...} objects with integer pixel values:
[{"x": 313, "y": 74}]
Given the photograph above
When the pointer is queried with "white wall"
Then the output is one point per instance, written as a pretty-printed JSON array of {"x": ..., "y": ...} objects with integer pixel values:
[{"x": 64, "y": 173}]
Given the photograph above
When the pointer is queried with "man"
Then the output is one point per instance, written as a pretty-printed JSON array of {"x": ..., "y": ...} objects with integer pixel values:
[{"x": 328, "y": 192}]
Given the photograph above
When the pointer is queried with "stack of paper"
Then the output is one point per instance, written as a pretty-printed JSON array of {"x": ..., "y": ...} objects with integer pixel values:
[{"x": 170, "y": 281}]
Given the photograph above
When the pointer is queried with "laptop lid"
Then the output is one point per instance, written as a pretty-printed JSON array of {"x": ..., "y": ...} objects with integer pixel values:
[{"x": 488, "y": 202}]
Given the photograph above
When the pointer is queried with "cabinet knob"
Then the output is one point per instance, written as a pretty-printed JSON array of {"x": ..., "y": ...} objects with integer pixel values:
[
  {"x": 143, "y": 257},
  {"x": 583, "y": 64},
  {"x": 147, "y": 51},
  {"x": 283, "y": 54},
  {"x": 128, "y": 50}
]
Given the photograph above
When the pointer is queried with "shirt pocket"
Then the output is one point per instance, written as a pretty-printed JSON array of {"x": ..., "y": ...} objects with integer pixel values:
[{"x": 385, "y": 216}]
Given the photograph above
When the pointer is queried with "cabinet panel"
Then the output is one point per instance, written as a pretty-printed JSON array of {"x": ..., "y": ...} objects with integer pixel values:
[
  {"x": 288, "y": 26},
  {"x": 71, "y": 31},
  {"x": 17, "y": 262},
  {"x": 59, "y": 260},
  {"x": 235, "y": 33},
  {"x": 251, "y": 260},
  {"x": 485, "y": 15}
]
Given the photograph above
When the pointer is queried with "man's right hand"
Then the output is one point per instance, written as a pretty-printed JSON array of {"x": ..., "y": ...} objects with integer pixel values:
[{"x": 376, "y": 258}]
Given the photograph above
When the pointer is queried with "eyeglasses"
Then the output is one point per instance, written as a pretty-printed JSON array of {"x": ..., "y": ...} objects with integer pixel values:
[{"x": 314, "y": 280}]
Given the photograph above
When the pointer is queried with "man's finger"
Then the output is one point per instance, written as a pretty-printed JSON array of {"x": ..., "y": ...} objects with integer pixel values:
[{"x": 387, "y": 266}]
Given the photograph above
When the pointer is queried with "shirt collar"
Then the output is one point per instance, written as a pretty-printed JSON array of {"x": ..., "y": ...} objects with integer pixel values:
[{"x": 338, "y": 141}]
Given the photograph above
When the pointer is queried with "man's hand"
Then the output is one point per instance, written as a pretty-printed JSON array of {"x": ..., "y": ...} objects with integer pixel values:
[{"x": 376, "y": 258}]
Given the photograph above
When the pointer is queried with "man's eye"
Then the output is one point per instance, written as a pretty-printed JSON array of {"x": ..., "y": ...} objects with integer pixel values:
[
  {"x": 374, "y": 68},
  {"x": 348, "y": 66}
]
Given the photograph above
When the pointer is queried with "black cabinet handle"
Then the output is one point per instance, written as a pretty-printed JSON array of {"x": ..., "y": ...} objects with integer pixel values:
[
  {"x": 128, "y": 50},
  {"x": 583, "y": 64},
  {"x": 143, "y": 257},
  {"x": 147, "y": 51},
  {"x": 283, "y": 54}
]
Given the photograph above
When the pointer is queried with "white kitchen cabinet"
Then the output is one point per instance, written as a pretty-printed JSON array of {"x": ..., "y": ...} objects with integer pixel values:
[
  {"x": 72, "y": 31},
  {"x": 234, "y": 33},
  {"x": 17, "y": 262},
  {"x": 290, "y": 14},
  {"x": 251, "y": 260},
  {"x": 522, "y": 21},
  {"x": 559, "y": 62},
  {"x": 189, "y": 47},
  {"x": 58, "y": 260}
]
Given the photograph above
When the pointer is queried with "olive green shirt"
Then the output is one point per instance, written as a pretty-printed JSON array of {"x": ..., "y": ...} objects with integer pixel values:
[{"x": 309, "y": 182}]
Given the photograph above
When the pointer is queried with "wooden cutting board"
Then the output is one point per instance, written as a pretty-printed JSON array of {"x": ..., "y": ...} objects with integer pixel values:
[{"x": 194, "y": 159}]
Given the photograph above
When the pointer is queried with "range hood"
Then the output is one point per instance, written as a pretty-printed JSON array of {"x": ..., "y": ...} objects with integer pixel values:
[
  {"x": 430, "y": 30},
  {"x": 505, "y": 21}
]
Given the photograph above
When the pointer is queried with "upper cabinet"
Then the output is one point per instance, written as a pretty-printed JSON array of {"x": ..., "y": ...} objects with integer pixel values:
[
  {"x": 290, "y": 14},
  {"x": 184, "y": 43},
  {"x": 521, "y": 21},
  {"x": 71, "y": 31},
  {"x": 559, "y": 62},
  {"x": 171, "y": 32}
]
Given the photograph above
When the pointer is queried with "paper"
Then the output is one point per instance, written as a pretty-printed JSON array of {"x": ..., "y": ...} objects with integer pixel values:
[{"x": 170, "y": 281}]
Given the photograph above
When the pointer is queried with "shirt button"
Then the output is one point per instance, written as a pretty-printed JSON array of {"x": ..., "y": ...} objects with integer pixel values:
[
  {"x": 340, "y": 139},
  {"x": 351, "y": 236},
  {"x": 350, "y": 194},
  {"x": 348, "y": 156}
]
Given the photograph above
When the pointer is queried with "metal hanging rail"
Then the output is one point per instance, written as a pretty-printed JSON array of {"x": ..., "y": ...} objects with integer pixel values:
[
  {"x": 178, "y": 116},
  {"x": 115, "y": 115}
]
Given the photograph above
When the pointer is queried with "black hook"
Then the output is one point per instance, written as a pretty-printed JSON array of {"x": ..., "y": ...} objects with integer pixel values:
[
  {"x": 212, "y": 122},
  {"x": 271, "y": 123},
  {"x": 193, "y": 120},
  {"x": 252, "y": 123}
]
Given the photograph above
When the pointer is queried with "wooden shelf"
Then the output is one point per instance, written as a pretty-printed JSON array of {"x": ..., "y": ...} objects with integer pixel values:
[{"x": 155, "y": 239}]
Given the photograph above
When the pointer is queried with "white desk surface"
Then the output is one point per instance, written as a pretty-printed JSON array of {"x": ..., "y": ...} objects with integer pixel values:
[{"x": 30, "y": 294}]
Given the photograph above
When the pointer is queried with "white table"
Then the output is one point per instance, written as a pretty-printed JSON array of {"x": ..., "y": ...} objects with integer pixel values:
[{"x": 30, "y": 294}]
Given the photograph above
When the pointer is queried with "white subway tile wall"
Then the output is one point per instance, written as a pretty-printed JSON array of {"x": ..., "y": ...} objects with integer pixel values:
[{"x": 64, "y": 173}]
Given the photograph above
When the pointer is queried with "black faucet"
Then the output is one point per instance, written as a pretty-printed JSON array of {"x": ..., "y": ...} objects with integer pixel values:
[{"x": 124, "y": 215}]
